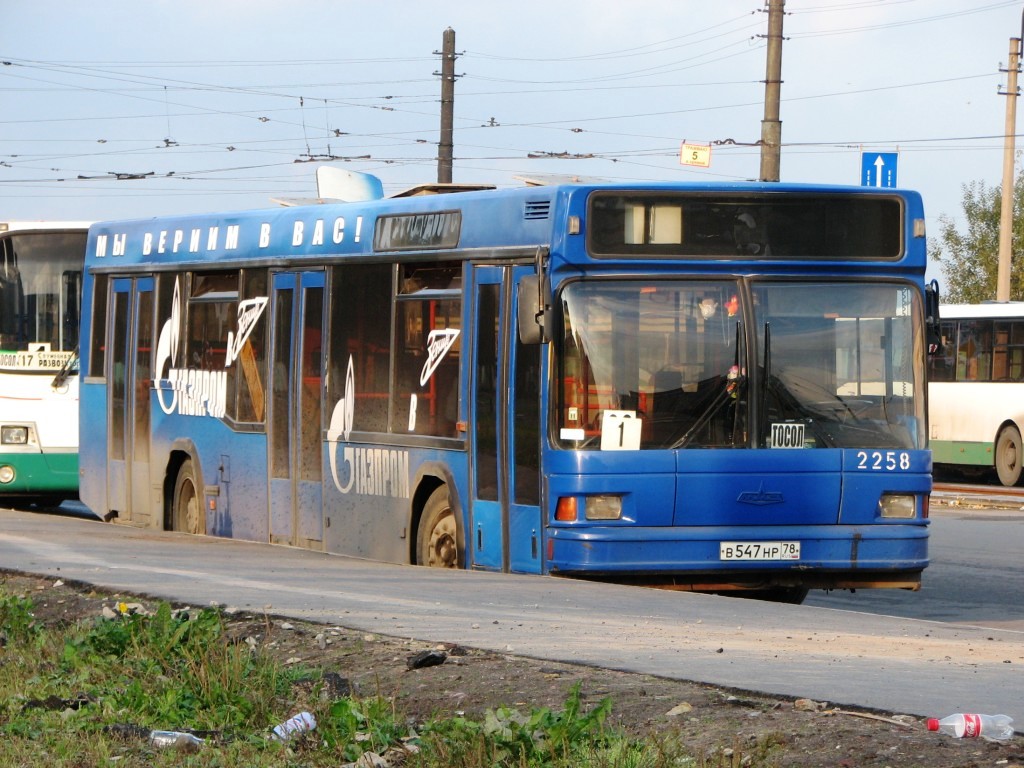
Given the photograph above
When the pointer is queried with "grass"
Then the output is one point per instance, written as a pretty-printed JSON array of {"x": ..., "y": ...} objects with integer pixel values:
[{"x": 89, "y": 693}]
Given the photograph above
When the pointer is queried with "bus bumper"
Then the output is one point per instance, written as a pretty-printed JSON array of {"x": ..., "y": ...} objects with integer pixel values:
[
  {"x": 39, "y": 474},
  {"x": 831, "y": 556}
]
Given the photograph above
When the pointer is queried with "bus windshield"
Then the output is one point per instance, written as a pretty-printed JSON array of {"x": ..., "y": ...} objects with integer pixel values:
[
  {"x": 40, "y": 285},
  {"x": 839, "y": 361},
  {"x": 834, "y": 365}
]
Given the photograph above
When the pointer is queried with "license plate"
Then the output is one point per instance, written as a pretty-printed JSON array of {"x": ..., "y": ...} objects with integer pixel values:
[{"x": 759, "y": 550}]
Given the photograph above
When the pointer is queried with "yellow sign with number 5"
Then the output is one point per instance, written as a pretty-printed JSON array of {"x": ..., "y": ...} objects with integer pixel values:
[{"x": 695, "y": 154}]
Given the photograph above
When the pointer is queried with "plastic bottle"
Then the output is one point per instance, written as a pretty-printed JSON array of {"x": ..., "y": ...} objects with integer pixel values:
[
  {"x": 992, "y": 727},
  {"x": 300, "y": 723},
  {"x": 186, "y": 742}
]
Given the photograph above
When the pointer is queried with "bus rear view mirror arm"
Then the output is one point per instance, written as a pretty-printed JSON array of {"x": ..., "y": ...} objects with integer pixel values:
[
  {"x": 530, "y": 312},
  {"x": 532, "y": 303},
  {"x": 931, "y": 317}
]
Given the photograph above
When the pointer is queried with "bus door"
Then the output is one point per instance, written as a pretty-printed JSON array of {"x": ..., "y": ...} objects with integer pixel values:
[
  {"x": 130, "y": 380},
  {"x": 505, "y": 522},
  {"x": 294, "y": 437}
]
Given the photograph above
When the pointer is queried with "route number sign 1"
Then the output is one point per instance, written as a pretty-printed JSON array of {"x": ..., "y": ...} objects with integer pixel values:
[{"x": 620, "y": 431}]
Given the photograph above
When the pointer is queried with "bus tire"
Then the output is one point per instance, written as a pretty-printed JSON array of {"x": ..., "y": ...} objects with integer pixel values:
[
  {"x": 1009, "y": 456},
  {"x": 438, "y": 543},
  {"x": 186, "y": 509}
]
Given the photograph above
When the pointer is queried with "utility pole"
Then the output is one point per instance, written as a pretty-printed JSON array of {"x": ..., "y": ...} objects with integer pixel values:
[
  {"x": 1006, "y": 212},
  {"x": 771, "y": 126},
  {"x": 445, "y": 148}
]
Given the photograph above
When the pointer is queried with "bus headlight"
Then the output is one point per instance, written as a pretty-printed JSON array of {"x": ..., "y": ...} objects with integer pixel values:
[
  {"x": 603, "y": 507},
  {"x": 898, "y": 505},
  {"x": 6, "y": 474},
  {"x": 13, "y": 435}
]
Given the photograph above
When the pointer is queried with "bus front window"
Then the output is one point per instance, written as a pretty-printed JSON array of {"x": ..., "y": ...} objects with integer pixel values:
[
  {"x": 40, "y": 276},
  {"x": 665, "y": 365},
  {"x": 668, "y": 355},
  {"x": 840, "y": 366}
]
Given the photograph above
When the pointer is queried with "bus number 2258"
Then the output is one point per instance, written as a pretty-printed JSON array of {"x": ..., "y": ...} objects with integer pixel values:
[{"x": 887, "y": 461}]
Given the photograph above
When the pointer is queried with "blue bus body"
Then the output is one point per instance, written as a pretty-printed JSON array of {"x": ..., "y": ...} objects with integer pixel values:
[{"x": 696, "y": 406}]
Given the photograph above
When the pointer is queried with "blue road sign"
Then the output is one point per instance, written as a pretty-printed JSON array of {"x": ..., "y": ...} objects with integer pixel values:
[{"x": 878, "y": 169}]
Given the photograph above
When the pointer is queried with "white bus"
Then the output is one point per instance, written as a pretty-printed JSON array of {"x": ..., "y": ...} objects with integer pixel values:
[
  {"x": 40, "y": 304},
  {"x": 976, "y": 390}
]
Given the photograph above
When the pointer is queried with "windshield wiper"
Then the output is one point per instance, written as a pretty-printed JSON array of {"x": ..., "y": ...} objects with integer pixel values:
[
  {"x": 733, "y": 388},
  {"x": 65, "y": 371},
  {"x": 767, "y": 375},
  {"x": 773, "y": 383}
]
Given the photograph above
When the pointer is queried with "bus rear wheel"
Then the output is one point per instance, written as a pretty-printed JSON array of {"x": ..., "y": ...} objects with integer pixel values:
[
  {"x": 438, "y": 544},
  {"x": 1009, "y": 455},
  {"x": 185, "y": 508}
]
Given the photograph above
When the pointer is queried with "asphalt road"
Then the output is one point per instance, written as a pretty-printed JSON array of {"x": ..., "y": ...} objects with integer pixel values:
[
  {"x": 976, "y": 575},
  {"x": 846, "y": 658}
]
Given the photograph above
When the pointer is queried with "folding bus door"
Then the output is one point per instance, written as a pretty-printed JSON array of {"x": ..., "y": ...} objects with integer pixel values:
[
  {"x": 505, "y": 506},
  {"x": 130, "y": 382},
  {"x": 295, "y": 440}
]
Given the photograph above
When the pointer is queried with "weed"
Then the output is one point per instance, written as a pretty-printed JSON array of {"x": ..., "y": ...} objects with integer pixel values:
[
  {"x": 88, "y": 694},
  {"x": 17, "y": 624},
  {"x": 176, "y": 667},
  {"x": 508, "y": 737}
]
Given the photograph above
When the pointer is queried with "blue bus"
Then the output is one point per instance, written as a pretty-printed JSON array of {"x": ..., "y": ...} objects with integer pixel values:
[{"x": 689, "y": 386}]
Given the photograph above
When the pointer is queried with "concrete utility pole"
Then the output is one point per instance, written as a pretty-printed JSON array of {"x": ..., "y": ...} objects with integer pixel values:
[
  {"x": 1006, "y": 212},
  {"x": 771, "y": 126},
  {"x": 445, "y": 148}
]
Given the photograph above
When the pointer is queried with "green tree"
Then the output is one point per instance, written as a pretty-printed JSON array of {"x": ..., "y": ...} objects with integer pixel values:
[{"x": 970, "y": 260}]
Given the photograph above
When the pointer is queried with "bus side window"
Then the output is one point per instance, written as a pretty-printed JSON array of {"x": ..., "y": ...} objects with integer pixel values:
[
  {"x": 445, "y": 411},
  {"x": 974, "y": 355},
  {"x": 251, "y": 379},
  {"x": 213, "y": 314},
  {"x": 98, "y": 343},
  {"x": 942, "y": 366},
  {"x": 359, "y": 331},
  {"x": 427, "y": 351}
]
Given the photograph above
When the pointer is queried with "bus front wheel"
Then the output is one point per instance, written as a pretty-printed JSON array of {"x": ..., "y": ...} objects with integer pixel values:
[
  {"x": 185, "y": 508},
  {"x": 1009, "y": 455},
  {"x": 438, "y": 544}
]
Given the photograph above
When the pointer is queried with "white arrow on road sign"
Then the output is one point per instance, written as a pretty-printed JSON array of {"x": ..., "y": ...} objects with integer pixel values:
[{"x": 878, "y": 169}]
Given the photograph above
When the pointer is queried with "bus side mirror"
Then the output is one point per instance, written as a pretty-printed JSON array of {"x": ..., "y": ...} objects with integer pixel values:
[
  {"x": 933, "y": 334},
  {"x": 531, "y": 314}
]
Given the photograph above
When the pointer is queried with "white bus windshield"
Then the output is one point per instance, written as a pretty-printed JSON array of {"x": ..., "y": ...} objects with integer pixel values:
[{"x": 40, "y": 280}]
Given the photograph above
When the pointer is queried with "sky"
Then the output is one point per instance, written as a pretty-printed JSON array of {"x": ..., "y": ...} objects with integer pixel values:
[{"x": 136, "y": 108}]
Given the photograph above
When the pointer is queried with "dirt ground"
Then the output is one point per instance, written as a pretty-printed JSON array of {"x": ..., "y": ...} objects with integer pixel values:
[{"x": 727, "y": 727}]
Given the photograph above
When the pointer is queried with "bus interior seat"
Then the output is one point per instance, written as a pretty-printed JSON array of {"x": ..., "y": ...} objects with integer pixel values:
[
  {"x": 667, "y": 401},
  {"x": 676, "y": 406}
]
